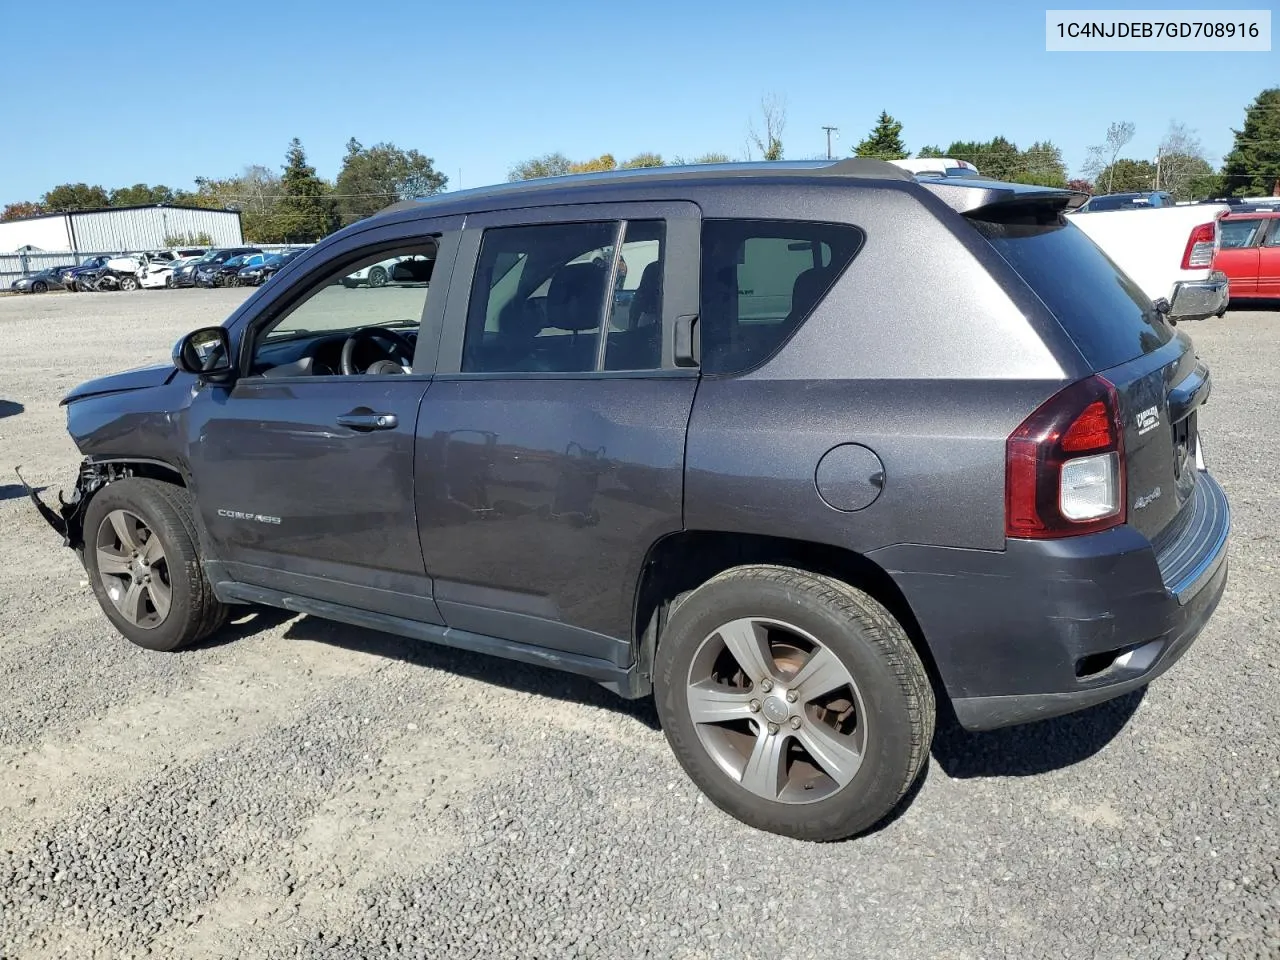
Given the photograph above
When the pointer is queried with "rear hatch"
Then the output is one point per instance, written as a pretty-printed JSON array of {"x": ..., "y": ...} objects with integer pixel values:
[{"x": 1160, "y": 383}]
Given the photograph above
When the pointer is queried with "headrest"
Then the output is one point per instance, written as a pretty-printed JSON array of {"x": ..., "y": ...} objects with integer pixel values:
[
  {"x": 576, "y": 296},
  {"x": 809, "y": 286}
]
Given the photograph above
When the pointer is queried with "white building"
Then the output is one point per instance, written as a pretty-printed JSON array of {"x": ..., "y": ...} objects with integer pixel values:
[{"x": 120, "y": 229}]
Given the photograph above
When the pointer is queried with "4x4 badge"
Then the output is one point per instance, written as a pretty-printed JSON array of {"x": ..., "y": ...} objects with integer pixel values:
[{"x": 1148, "y": 420}]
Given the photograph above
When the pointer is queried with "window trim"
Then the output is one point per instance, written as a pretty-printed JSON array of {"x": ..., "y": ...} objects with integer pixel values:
[
  {"x": 682, "y": 231},
  {"x": 857, "y": 230}
]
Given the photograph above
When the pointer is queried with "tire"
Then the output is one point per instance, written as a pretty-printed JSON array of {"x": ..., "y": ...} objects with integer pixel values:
[
  {"x": 129, "y": 283},
  {"x": 377, "y": 277},
  {"x": 168, "y": 283},
  {"x": 149, "y": 508},
  {"x": 874, "y": 751},
  {"x": 39, "y": 287}
]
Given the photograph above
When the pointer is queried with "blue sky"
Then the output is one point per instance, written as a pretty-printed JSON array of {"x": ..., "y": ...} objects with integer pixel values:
[{"x": 204, "y": 89}]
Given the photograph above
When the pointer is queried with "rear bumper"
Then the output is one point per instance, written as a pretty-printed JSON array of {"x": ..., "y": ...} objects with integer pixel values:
[{"x": 1044, "y": 628}]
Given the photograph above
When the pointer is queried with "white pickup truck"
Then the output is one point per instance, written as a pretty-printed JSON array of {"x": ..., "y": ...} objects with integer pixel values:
[{"x": 1159, "y": 247}]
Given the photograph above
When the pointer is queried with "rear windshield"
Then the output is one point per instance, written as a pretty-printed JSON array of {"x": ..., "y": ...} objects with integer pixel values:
[{"x": 1105, "y": 313}]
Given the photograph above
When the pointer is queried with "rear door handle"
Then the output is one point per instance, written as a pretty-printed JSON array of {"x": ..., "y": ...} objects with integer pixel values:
[{"x": 369, "y": 421}]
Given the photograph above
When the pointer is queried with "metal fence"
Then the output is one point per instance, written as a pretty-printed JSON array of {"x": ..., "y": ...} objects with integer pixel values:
[{"x": 14, "y": 266}]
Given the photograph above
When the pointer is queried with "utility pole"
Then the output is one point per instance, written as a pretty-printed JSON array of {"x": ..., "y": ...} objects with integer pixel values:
[{"x": 830, "y": 130}]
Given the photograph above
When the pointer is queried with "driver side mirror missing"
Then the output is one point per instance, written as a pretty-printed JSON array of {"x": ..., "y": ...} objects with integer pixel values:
[{"x": 205, "y": 352}]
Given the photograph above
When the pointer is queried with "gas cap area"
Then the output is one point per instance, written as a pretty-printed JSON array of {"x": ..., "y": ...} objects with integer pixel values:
[{"x": 849, "y": 477}]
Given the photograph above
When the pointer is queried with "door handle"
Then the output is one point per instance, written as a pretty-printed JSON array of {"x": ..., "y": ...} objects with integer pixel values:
[{"x": 369, "y": 421}]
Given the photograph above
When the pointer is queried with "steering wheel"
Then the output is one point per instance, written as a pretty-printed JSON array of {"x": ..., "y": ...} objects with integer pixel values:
[{"x": 399, "y": 356}]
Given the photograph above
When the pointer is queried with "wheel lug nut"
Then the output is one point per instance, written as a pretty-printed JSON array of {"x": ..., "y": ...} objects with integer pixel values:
[
  {"x": 773, "y": 728},
  {"x": 766, "y": 685},
  {"x": 792, "y": 696},
  {"x": 795, "y": 723},
  {"x": 754, "y": 706}
]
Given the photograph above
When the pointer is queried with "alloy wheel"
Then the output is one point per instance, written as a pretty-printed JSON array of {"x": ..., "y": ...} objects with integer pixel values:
[
  {"x": 133, "y": 569},
  {"x": 777, "y": 710}
]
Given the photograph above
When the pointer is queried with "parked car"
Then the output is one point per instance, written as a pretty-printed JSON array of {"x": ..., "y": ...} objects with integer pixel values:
[
  {"x": 51, "y": 278},
  {"x": 769, "y": 510},
  {"x": 159, "y": 273},
  {"x": 255, "y": 274},
  {"x": 90, "y": 267},
  {"x": 375, "y": 275},
  {"x": 185, "y": 276},
  {"x": 1249, "y": 253},
  {"x": 1127, "y": 201},
  {"x": 937, "y": 167},
  {"x": 1159, "y": 248}
]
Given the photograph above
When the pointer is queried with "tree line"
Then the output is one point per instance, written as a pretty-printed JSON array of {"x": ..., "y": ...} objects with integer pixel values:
[
  {"x": 294, "y": 206},
  {"x": 298, "y": 206}
]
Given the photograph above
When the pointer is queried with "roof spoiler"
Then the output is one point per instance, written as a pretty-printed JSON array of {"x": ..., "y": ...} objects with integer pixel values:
[{"x": 995, "y": 200}]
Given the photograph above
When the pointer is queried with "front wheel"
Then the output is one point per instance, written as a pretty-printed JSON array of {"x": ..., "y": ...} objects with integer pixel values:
[
  {"x": 39, "y": 287},
  {"x": 144, "y": 566},
  {"x": 794, "y": 701},
  {"x": 377, "y": 277},
  {"x": 129, "y": 283}
]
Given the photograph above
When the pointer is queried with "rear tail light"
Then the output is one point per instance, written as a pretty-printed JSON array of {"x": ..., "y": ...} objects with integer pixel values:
[
  {"x": 1064, "y": 466},
  {"x": 1199, "y": 251}
]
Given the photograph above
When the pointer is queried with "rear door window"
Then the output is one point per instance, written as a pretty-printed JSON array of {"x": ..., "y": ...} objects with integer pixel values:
[
  {"x": 1238, "y": 234},
  {"x": 1104, "y": 312},
  {"x": 760, "y": 280}
]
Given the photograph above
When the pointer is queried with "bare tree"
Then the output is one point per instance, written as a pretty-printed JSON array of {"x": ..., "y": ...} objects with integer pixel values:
[
  {"x": 1102, "y": 157},
  {"x": 1180, "y": 161},
  {"x": 773, "y": 116}
]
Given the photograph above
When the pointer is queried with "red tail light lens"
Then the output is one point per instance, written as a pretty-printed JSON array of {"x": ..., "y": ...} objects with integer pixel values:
[
  {"x": 1199, "y": 251},
  {"x": 1064, "y": 466}
]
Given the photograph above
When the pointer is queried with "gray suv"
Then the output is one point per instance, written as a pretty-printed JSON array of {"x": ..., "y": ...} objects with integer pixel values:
[{"x": 795, "y": 448}]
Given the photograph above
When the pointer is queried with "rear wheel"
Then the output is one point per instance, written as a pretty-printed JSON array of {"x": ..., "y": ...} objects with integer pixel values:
[
  {"x": 39, "y": 287},
  {"x": 794, "y": 701},
  {"x": 144, "y": 565}
]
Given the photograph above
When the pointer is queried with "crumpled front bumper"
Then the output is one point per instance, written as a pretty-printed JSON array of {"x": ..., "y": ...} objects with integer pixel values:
[{"x": 68, "y": 519}]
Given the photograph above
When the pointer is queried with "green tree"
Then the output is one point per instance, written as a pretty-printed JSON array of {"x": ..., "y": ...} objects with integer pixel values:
[
  {"x": 1041, "y": 163},
  {"x": 371, "y": 178},
  {"x": 884, "y": 142},
  {"x": 1127, "y": 176},
  {"x": 547, "y": 165},
  {"x": 305, "y": 211},
  {"x": 1252, "y": 168},
  {"x": 997, "y": 158},
  {"x": 643, "y": 160},
  {"x": 75, "y": 196},
  {"x": 928, "y": 153},
  {"x": 141, "y": 195},
  {"x": 20, "y": 209}
]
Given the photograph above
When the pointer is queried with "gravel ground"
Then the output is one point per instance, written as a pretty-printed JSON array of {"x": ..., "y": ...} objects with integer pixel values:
[{"x": 300, "y": 788}]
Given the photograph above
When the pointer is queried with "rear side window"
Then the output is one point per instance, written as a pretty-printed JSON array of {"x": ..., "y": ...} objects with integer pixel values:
[
  {"x": 1236, "y": 234},
  {"x": 1105, "y": 313},
  {"x": 760, "y": 280}
]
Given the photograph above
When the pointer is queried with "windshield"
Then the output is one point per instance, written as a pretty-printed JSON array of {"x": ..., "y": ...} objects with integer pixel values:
[{"x": 1104, "y": 312}]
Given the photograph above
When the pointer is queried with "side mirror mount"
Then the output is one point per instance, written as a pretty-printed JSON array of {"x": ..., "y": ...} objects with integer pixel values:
[
  {"x": 1200, "y": 299},
  {"x": 205, "y": 353}
]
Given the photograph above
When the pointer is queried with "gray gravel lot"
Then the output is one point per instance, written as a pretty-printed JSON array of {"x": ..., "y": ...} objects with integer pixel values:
[{"x": 300, "y": 788}]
